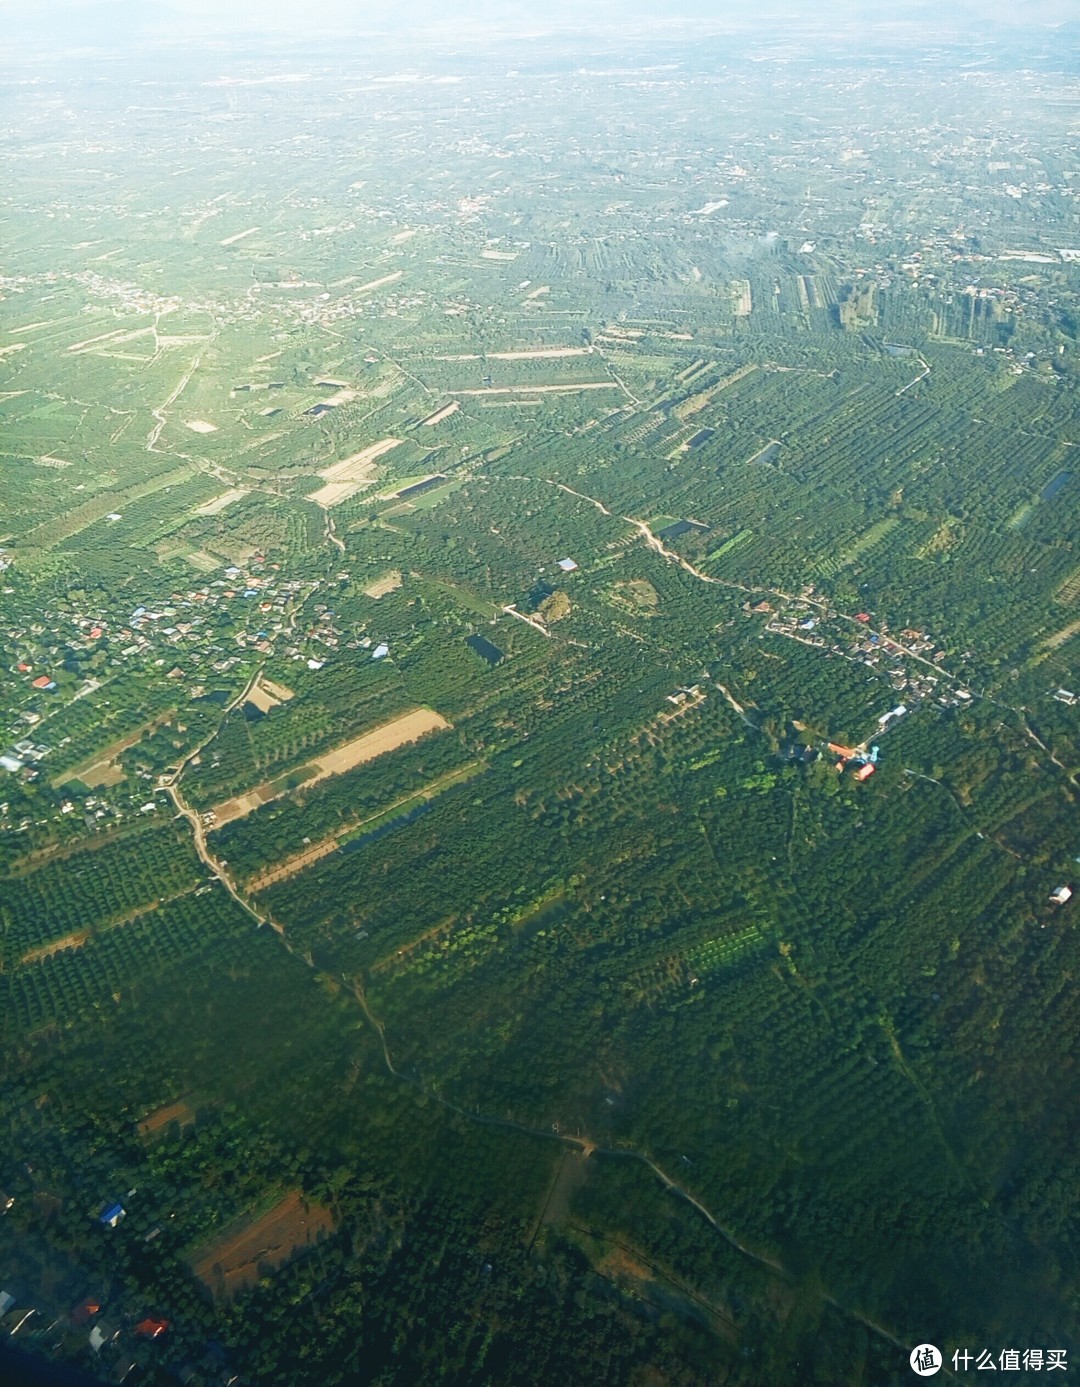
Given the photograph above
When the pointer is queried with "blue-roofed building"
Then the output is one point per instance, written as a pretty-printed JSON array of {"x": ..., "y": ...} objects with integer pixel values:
[
  {"x": 380, "y": 652},
  {"x": 111, "y": 1215}
]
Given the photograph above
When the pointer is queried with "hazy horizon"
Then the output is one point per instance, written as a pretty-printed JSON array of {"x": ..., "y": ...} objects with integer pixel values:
[{"x": 112, "y": 20}]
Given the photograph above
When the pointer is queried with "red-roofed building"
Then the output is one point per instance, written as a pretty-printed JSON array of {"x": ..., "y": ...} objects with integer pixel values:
[
  {"x": 42, "y": 682},
  {"x": 151, "y": 1328},
  {"x": 85, "y": 1311},
  {"x": 862, "y": 616}
]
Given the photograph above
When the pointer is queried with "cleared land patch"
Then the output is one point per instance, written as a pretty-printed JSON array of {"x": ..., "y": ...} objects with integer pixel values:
[
  {"x": 541, "y": 389},
  {"x": 177, "y": 1112},
  {"x": 311, "y": 854},
  {"x": 233, "y": 1260},
  {"x": 636, "y": 595},
  {"x": 200, "y": 426},
  {"x": 281, "y": 692},
  {"x": 1058, "y": 639},
  {"x": 410, "y": 727},
  {"x": 102, "y": 770},
  {"x": 56, "y": 946},
  {"x": 345, "y": 478},
  {"x": 540, "y": 354},
  {"x": 201, "y": 560},
  {"x": 378, "y": 283},
  {"x": 441, "y": 414},
  {"x": 389, "y": 582},
  {"x": 240, "y": 236},
  {"x": 266, "y": 695},
  {"x": 220, "y": 502}
]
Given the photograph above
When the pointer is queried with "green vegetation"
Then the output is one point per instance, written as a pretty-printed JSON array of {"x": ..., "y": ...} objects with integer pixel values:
[{"x": 613, "y": 1030}]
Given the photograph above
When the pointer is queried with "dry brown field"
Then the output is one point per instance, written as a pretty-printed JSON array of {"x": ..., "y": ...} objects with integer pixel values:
[
  {"x": 233, "y": 1260},
  {"x": 410, "y": 727}
]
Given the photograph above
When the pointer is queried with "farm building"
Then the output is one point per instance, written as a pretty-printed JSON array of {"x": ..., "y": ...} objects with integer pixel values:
[
  {"x": 1061, "y": 894},
  {"x": 567, "y": 565}
]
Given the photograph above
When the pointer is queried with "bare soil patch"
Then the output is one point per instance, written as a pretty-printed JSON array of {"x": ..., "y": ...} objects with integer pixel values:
[
  {"x": 55, "y": 946},
  {"x": 102, "y": 774},
  {"x": 410, "y": 727},
  {"x": 200, "y": 426},
  {"x": 1059, "y": 638},
  {"x": 220, "y": 502},
  {"x": 542, "y": 389},
  {"x": 357, "y": 467},
  {"x": 345, "y": 478},
  {"x": 636, "y": 595},
  {"x": 281, "y": 692},
  {"x": 233, "y": 1260},
  {"x": 177, "y": 1112},
  {"x": 540, "y": 354},
  {"x": 389, "y": 582},
  {"x": 265, "y": 695},
  {"x": 378, "y": 283},
  {"x": 292, "y": 865},
  {"x": 441, "y": 414},
  {"x": 202, "y": 561},
  {"x": 236, "y": 808},
  {"x": 102, "y": 768},
  {"x": 333, "y": 493},
  {"x": 300, "y": 861},
  {"x": 240, "y": 236}
]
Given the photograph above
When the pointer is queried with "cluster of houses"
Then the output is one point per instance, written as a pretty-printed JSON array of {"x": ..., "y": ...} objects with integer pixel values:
[
  {"x": 209, "y": 629},
  {"x": 116, "y": 1343},
  {"x": 899, "y": 660}
]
